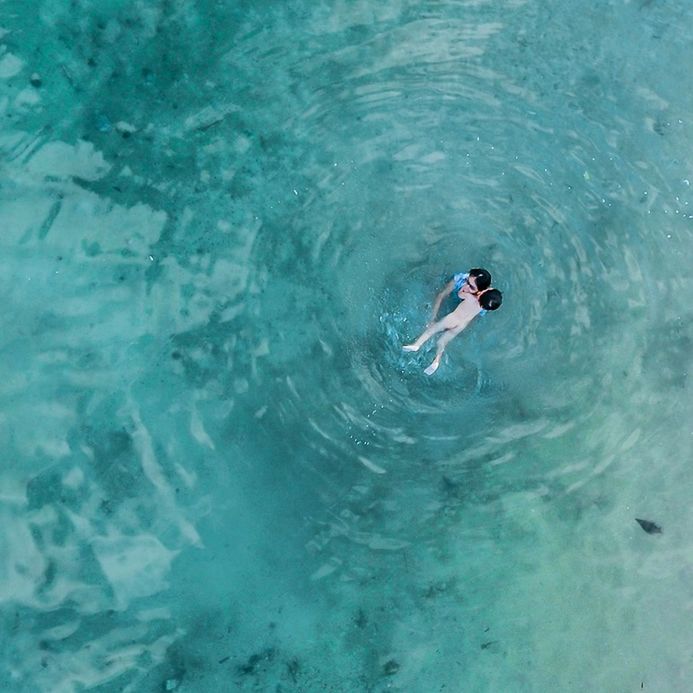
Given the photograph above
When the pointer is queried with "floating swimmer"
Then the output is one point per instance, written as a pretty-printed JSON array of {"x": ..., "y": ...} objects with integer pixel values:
[{"x": 477, "y": 296}]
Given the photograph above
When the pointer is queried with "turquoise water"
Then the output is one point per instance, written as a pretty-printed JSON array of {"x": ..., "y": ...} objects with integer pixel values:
[{"x": 219, "y": 223}]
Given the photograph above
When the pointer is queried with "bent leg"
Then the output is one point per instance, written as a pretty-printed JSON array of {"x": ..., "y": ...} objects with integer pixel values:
[
  {"x": 445, "y": 339},
  {"x": 446, "y": 323}
]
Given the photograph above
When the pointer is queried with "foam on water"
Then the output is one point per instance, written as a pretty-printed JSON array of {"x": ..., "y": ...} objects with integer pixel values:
[{"x": 220, "y": 222}]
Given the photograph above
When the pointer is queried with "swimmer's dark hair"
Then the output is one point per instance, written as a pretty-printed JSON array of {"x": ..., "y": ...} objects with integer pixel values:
[
  {"x": 491, "y": 299},
  {"x": 482, "y": 277}
]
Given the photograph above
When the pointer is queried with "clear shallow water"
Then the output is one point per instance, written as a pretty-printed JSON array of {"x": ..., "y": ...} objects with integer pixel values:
[{"x": 219, "y": 223}]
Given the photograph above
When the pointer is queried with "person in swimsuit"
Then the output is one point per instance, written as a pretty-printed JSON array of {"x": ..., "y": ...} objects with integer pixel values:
[{"x": 477, "y": 297}]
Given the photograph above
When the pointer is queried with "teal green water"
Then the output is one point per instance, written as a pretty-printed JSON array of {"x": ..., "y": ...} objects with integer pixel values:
[{"x": 220, "y": 221}]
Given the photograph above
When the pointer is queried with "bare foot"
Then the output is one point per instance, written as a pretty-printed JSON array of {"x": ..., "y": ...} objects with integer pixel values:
[
  {"x": 432, "y": 368},
  {"x": 410, "y": 347}
]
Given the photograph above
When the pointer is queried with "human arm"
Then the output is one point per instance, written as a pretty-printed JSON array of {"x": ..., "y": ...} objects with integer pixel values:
[{"x": 445, "y": 291}]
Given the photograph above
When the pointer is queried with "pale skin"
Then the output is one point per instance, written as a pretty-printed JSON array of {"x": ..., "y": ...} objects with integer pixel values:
[{"x": 452, "y": 324}]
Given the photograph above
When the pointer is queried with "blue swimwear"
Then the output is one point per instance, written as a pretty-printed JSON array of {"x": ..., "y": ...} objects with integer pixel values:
[{"x": 460, "y": 278}]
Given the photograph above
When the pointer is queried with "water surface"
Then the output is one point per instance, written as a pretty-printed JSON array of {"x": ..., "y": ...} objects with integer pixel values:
[{"x": 220, "y": 221}]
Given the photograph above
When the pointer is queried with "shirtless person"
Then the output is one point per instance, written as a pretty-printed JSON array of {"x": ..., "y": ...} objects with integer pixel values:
[{"x": 474, "y": 288}]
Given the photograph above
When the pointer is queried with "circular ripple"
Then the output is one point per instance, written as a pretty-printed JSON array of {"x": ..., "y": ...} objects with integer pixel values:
[{"x": 400, "y": 166}]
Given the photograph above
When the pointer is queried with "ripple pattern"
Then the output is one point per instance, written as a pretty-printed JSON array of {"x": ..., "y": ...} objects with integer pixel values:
[{"x": 221, "y": 223}]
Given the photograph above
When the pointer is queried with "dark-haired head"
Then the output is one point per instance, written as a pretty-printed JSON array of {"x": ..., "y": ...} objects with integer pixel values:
[
  {"x": 491, "y": 299},
  {"x": 482, "y": 278}
]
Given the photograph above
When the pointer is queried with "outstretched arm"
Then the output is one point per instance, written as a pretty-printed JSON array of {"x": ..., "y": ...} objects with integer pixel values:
[{"x": 445, "y": 291}]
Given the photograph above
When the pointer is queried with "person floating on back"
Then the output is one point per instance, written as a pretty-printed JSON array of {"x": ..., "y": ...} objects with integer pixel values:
[{"x": 477, "y": 297}]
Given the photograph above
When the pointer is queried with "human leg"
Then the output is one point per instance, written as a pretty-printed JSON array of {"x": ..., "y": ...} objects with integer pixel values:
[
  {"x": 445, "y": 324},
  {"x": 444, "y": 340}
]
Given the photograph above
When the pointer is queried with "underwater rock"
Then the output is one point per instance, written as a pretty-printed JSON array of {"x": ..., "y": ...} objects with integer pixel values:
[
  {"x": 125, "y": 129},
  {"x": 249, "y": 666},
  {"x": 35, "y": 80},
  {"x": 292, "y": 668},
  {"x": 452, "y": 490},
  {"x": 390, "y": 667},
  {"x": 361, "y": 620},
  {"x": 649, "y": 527},
  {"x": 254, "y": 661}
]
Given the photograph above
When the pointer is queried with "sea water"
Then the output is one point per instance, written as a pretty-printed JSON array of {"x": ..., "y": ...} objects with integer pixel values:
[{"x": 220, "y": 221}]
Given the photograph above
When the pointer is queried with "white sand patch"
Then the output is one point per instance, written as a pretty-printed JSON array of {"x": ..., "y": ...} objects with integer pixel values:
[
  {"x": 23, "y": 565},
  {"x": 198, "y": 431},
  {"x": 62, "y": 160},
  {"x": 10, "y": 65},
  {"x": 136, "y": 566}
]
